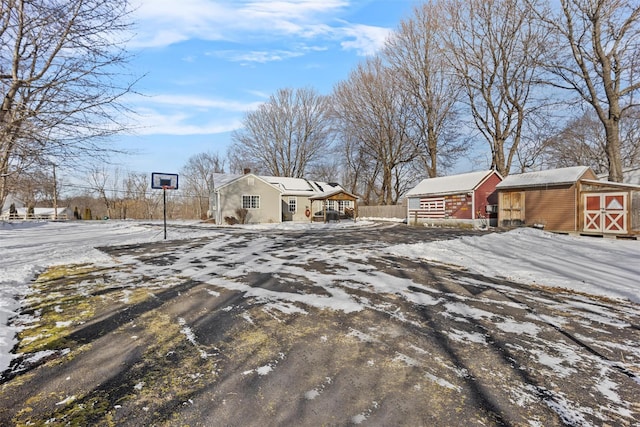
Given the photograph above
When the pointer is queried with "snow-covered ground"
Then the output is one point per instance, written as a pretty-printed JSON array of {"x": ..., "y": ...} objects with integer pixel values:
[{"x": 600, "y": 266}]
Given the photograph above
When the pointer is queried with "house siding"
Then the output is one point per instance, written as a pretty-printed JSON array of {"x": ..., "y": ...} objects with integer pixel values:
[
  {"x": 250, "y": 185},
  {"x": 302, "y": 204}
]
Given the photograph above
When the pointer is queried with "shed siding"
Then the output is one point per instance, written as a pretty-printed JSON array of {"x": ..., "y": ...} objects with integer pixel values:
[
  {"x": 635, "y": 212},
  {"x": 458, "y": 206},
  {"x": 486, "y": 194},
  {"x": 555, "y": 208}
]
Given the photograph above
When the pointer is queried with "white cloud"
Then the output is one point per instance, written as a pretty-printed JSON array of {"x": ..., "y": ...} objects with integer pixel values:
[
  {"x": 366, "y": 39},
  {"x": 202, "y": 102},
  {"x": 169, "y": 114},
  {"x": 152, "y": 122},
  {"x": 256, "y": 56},
  {"x": 162, "y": 23}
]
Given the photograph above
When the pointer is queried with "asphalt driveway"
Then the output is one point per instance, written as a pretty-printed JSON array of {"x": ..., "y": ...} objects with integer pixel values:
[{"x": 314, "y": 328}]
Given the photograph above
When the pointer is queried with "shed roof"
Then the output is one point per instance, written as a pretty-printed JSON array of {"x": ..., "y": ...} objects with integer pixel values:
[
  {"x": 453, "y": 184},
  {"x": 559, "y": 176}
]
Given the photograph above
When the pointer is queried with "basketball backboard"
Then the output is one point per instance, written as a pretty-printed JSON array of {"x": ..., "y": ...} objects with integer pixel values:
[{"x": 167, "y": 181}]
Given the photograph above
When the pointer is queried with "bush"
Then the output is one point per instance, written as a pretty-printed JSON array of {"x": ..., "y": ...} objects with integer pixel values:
[
  {"x": 231, "y": 220},
  {"x": 242, "y": 215}
]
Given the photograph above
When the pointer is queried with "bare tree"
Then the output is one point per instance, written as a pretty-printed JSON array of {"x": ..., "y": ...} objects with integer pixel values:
[
  {"x": 138, "y": 201},
  {"x": 583, "y": 141},
  {"x": 287, "y": 133},
  {"x": 327, "y": 170},
  {"x": 495, "y": 47},
  {"x": 372, "y": 111},
  {"x": 597, "y": 56},
  {"x": 106, "y": 184},
  {"x": 360, "y": 171},
  {"x": 59, "y": 79},
  {"x": 417, "y": 60},
  {"x": 198, "y": 179},
  {"x": 33, "y": 186}
]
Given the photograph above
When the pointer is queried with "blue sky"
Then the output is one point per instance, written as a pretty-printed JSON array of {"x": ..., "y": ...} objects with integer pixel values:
[{"x": 207, "y": 62}]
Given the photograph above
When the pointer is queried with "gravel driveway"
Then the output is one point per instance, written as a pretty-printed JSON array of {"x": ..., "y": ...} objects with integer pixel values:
[{"x": 313, "y": 328}]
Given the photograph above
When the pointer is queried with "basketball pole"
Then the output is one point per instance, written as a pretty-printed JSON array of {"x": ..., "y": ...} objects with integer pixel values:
[
  {"x": 164, "y": 210},
  {"x": 164, "y": 181}
]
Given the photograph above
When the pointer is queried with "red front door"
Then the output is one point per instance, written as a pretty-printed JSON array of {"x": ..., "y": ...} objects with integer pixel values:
[{"x": 605, "y": 212}]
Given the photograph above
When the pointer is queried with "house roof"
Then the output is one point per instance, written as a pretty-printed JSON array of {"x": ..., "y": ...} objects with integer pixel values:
[
  {"x": 453, "y": 184},
  {"x": 11, "y": 199},
  {"x": 288, "y": 186},
  {"x": 220, "y": 179},
  {"x": 559, "y": 176},
  {"x": 300, "y": 186}
]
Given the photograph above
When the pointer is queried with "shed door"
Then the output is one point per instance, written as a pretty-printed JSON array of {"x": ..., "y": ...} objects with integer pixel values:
[
  {"x": 605, "y": 213},
  {"x": 512, "y": 208}
]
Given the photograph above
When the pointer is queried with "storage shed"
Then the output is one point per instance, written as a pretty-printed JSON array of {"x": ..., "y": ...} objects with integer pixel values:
[
  {"x": 568, "y": 200},
  {"x": 465, "y": 198}
]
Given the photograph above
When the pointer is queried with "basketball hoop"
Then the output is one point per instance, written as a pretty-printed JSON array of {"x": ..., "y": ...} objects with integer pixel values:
[{"x": 164, "y": 182}]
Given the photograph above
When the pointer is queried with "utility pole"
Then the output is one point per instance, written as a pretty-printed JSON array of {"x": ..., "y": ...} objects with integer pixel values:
[
  {"x": 212, "y": 197},
  {"x": 55, "y": 193}
]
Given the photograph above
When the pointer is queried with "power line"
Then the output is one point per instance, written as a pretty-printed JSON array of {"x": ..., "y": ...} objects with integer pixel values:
[{"x": 176, "y": 193}]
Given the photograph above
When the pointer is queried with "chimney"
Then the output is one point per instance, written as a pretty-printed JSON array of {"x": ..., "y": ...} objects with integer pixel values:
[{"x": 246, "y": 171}]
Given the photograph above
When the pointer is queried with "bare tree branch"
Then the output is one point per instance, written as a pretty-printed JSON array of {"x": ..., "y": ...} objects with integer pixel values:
[
  {"x": 60, "y": 80},
  {"x": 286, "y": 134}
]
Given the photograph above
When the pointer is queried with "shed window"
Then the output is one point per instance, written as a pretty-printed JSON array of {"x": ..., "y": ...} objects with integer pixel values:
[
  {"x": 293, "y": 204},
  {"x": 251, "y": 202}
]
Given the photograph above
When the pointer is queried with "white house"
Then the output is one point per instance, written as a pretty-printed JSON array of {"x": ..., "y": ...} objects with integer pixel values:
[{"x": 270, "y": 199}]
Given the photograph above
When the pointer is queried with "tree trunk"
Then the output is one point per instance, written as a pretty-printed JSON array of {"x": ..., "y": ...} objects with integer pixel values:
[{"x": 612, "y": 131}]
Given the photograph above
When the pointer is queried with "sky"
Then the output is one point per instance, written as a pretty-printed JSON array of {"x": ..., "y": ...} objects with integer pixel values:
[
  {"x": 205, "y": 63},
  {"x": 607, "y": 267}
]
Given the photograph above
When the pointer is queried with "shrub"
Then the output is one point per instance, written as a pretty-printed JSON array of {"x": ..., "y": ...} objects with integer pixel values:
[
  {"x": 242, "y": 215},
  {"x": 231, "y": 220}
]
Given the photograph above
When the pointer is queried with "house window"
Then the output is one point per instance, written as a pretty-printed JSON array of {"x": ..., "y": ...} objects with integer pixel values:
[
  {"x": 341, "y": 205},
  {"x": 250, "y": 202},
  {"x": 293, "y": 202},
  {"x": 331, "y": 205}
]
